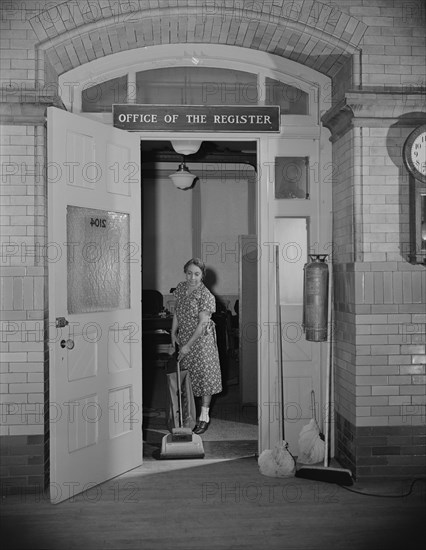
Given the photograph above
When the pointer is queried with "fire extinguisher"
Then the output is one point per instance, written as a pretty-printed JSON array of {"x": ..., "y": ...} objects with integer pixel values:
[{"x": 315, "y": 298}]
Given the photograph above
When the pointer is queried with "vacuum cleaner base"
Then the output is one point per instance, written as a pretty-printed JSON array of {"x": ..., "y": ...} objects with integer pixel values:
[{"x": 172, "y": 447}]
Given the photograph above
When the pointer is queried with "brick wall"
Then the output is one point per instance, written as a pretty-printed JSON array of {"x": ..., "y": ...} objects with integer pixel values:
[
  {"x": 22, "y": 464},
  {"x": 381, "y": 451},
  {"x": 23, "y": 281},
  {"x": 393, "y": 45},
  {"x": 387, "y": 35},
  {"x": 380, "y": 355},
  {"x": 24, "y": 305},
  {"x": 343, "y": 199}
]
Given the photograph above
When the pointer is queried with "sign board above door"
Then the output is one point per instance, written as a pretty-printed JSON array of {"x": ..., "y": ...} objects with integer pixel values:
[{"x": 196, "y": 118}]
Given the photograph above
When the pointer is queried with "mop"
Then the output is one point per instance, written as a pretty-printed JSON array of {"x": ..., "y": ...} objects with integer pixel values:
[
  {"x": 278, "y": 462},
  {"x": 341, "y": 476},
  {"x": 181, "y": 442}
]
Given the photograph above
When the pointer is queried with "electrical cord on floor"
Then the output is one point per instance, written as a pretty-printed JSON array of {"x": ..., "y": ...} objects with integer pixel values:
[{"x": 410, "y": 490}]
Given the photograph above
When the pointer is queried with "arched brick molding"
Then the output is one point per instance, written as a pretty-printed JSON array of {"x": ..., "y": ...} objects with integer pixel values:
[{"x": 74, "y": 33}]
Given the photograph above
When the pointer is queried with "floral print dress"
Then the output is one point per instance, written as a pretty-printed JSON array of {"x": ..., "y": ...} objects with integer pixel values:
[{"x": 202, "y": 361}]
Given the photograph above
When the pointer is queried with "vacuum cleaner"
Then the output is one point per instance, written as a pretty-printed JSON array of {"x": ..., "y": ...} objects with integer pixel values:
[{"x": 181, "y": 442}]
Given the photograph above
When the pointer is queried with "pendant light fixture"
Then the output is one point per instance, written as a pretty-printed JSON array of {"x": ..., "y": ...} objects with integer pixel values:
[{"x": 182, "y": 178}]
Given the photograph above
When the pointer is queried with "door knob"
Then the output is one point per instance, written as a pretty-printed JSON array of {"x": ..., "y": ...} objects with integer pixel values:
[{"x": 69, "y": 344}]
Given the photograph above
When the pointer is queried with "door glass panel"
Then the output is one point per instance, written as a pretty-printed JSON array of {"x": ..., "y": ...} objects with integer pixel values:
[
  {"x": 98, "y": 277},
  {"x": 292, "y": 178},
  {"x": 292, "y": 236},
  {"x": 292, "y": 100}
]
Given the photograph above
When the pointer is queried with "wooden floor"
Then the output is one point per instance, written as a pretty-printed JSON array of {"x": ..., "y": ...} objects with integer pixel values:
[
  {"x": 228, "y": 504},
  {"x": 218, "y": 503}
]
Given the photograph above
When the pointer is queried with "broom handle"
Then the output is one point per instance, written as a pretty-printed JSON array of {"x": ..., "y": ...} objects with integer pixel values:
[
  {"x": 179, "y": 394},
  {"x": 314, "y": 412},
  {"x": 329, "y": 360},
  {"x": 279, "y": 338}
]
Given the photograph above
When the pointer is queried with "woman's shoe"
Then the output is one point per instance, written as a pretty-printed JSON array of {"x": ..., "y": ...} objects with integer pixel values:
[{"x": 201, "y": 427}]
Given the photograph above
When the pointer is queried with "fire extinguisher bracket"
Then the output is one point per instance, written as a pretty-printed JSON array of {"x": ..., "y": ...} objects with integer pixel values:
[
  {"x": 318, "y": 257},
  {"x": 315, "y": 298}
]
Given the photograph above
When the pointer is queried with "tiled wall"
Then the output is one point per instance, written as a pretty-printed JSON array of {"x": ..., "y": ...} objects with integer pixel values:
[
  {"x": 393, "y": 45},
  {"x": 384, "y": 201},
  {"x": 390, "y": 344},
  {"x": 387, "y": 36},
  {"x": 380, "y": 349},
  {"x": 22, "y": 464},
  {"x": 343, "y": 199},
  {"x": 380, "y": 319},
  {"x": 381, "y": 451},
  {"x": 24, "y": 304},
  {"x": 22, "y": 268}
]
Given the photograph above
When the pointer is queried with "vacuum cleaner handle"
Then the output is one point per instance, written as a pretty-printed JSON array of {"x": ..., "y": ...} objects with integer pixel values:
[{"x": 179, "y": 389}]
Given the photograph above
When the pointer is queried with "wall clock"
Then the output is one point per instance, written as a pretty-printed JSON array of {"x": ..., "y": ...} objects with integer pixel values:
[{"x": 415, "y": 153}]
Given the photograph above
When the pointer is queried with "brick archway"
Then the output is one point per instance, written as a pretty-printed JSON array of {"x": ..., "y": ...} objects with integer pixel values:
[{"x": 74, "y": 33}]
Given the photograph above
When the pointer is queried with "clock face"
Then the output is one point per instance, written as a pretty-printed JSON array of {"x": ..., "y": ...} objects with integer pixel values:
[
  {"x": 418, "y": 153},
  {"x": 415, "y": 153}
]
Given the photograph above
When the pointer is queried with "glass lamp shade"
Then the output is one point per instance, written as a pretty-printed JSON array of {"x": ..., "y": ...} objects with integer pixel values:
[
  {"x": 186, "y": 146},
  {"x": 183, "y": 179}
]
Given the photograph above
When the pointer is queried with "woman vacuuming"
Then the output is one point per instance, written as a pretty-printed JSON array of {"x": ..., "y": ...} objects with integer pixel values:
[{"x": 194, "y": 332}]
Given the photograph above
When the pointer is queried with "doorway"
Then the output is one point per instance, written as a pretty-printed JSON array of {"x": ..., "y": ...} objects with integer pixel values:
[
  {"x": 208, "y": 221},
  {"x": 299, "y": 128}
]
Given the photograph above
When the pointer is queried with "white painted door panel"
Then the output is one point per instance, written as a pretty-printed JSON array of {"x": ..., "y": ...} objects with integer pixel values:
[{"x": 94, "y": 283}]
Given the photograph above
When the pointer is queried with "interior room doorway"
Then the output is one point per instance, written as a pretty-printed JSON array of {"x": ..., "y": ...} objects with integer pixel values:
[{"x": 209, "y": 220}]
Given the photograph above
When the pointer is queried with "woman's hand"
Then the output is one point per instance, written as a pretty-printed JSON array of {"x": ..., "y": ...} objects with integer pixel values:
[
  {"x": 174, "y": 339},
  {"x": 184, "y": 350}
]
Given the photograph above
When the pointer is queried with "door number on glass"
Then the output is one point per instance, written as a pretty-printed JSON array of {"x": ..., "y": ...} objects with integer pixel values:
[{"x": 98, "y": 222}]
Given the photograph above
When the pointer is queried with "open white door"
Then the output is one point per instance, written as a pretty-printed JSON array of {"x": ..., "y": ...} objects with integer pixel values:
[{"x": 94, "y": 254}]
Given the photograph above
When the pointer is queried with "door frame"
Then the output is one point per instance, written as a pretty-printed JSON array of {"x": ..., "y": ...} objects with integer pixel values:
[
  {"x": 269, "y": 424},
  {"x": 318, "y": 210}
]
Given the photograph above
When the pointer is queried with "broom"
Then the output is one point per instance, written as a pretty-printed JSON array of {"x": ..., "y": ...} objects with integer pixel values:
[
  {"x": 311, "y": 440},
  {"x": 341, "y": 476}
]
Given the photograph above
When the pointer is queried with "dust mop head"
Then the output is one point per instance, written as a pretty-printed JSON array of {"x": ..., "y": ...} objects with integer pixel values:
[
  {"x": 340, "y": 476},
  {"x": 278, "y": 462},
  {"x": 178, "y": 445},
  {"x": 311, "y": 446}
]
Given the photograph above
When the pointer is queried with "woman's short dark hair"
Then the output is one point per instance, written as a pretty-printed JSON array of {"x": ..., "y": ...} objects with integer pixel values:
[{"x": 197, "y": 262}]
